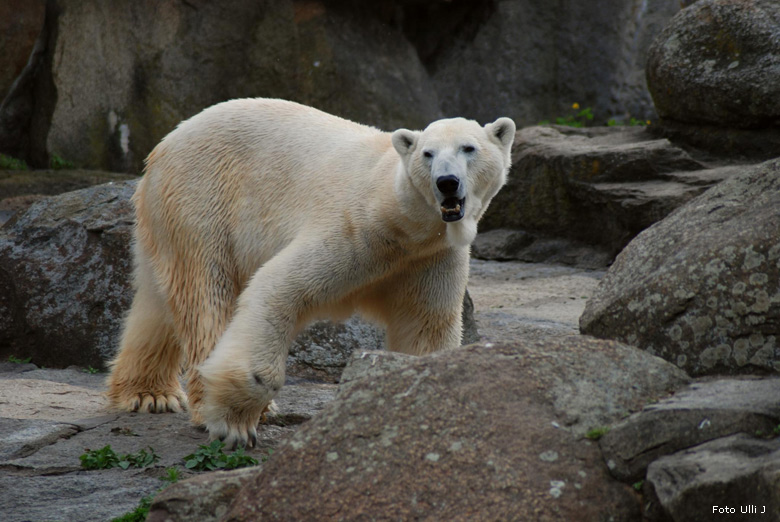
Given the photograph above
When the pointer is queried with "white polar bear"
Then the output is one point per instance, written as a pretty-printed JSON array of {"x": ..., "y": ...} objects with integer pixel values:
[{"x": 258, "y": 216}]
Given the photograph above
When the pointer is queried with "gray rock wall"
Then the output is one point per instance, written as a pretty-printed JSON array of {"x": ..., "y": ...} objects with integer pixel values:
[
  {"x": 113, "y": 78},
  {"x": 537, "y": 58}
]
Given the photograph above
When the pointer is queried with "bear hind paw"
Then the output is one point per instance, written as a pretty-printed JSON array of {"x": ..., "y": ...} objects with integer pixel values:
[{"x": 174, "y": 401}]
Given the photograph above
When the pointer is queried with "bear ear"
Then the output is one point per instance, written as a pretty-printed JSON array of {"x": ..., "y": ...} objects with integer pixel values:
[
  {"x": 503, "y": 130},
  {"x": 404, "y": 141}
]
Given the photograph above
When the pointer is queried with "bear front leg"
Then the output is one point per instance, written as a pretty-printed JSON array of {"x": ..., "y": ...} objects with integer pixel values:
[
  {"x": 425, "y": 305},
  {"x": 240, "y": 380},
  {"x": 247, "y": 367}
]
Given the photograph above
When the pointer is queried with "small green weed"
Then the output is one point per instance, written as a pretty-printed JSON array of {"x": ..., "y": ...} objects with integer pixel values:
[
  {"x": 106, "y": 458},
  {"x": 597, "y": 433},
  {"x": 578, "y": 119},
  {"x": 91, "y": 370},
  {"x": 584, "y": 117},
  {"x": 140, "y": 513},
  {"x": 638, "y": 485},
  {"x": 211, "y": 457},
  {"x": 58, "y": 163},
  {"x": 9, "y": 163},
  {"x": 632, "y": 122},
  {"x": 17, "y": 360},
  {"x": 774, "y": 433},
  {"x": 172, "y": 475}
]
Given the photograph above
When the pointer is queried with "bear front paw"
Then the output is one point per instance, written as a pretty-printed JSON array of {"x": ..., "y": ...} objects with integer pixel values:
[{"x": 237, "y": 428}]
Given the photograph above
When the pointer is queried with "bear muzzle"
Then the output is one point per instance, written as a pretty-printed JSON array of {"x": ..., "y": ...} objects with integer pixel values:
[
  {"x": 453, "y": 209},
  {"x": 452, "y": 205}
]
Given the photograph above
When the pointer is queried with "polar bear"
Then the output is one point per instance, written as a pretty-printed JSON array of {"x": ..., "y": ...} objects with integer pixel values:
[{"x": 257, "y": 216}]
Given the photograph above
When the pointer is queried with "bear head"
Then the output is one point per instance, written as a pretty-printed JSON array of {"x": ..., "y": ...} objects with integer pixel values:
[{"x": 457, "y": 166}]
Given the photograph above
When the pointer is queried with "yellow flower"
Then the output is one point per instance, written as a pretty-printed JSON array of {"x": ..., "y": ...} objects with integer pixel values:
[
  {"x": 648, "y": 122},
  {"x": 575, "y": 105}
]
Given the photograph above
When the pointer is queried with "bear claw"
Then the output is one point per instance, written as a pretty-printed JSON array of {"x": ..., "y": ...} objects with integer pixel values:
[
  {"x": 146, "y": 402},
  {"x": 234, "y": 439}
]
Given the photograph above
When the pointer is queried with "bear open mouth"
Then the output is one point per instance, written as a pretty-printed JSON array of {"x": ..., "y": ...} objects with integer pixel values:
[{"x": 452, "y": 209}]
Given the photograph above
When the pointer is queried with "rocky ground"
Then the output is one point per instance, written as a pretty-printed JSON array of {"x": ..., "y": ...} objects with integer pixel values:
[{"x": 49, "y": 417}]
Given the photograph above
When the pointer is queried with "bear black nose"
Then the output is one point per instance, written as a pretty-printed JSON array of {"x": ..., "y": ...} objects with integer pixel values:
[{"x": 448, "y": 185}]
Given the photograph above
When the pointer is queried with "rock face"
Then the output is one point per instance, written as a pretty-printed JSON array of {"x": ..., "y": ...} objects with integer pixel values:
[
  {"x": 20, "y": 23},
  {"x": 501, "y": 425},
  {"x": 601, "y": 186},
  {"x": 700, "y": 288},
  {"x": 195, "y": 55},
  {"x": 22, "y": 39},
  {"x": 65, "y": 268},
  {"x": 541, "y": 57},
  {"x": 737, "y": 476},
  {"x": 103, "y": 89},
  {"x": 714, "y": 70}
]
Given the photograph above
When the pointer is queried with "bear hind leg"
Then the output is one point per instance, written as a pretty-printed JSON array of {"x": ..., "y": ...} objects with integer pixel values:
[{"x": 144, "y": 375}]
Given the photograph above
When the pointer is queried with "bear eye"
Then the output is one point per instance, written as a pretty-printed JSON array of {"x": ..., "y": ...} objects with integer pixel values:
[
  {"x": 428, "y": 154},
  {"x": 468, "y": 149}
]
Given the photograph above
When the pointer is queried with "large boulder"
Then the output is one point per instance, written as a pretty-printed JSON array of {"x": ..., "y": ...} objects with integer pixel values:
[
  {"x": 701, "y": 288},
  {"x": 718, "y": 63},
  {"x": 21, "y": 188},
  {"x": 65, "y": 268},
  {"x": 710, "y": 450},
  {"x": 736, "y": 477},
  {"x": 481, "y": 432},
  {"x": 715, "y": 69},
  {"x": 701, "y": 412},
  {"x": 600, "y": 185},
  {"x": 64, "y": 283}
]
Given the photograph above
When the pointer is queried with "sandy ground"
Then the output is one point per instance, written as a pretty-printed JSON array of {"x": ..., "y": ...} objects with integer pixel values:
[{"x": 529, "y": 300}]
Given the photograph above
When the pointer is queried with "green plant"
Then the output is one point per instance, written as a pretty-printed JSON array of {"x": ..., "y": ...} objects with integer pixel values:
[
  {"x": 139, "y": 514},
  {"x": 141, "y": 459},
  {"x": 91, "y": 370},
  {"x": 211, "y": 457},
  {"x": 632, "y": 122},
  {"x": 106, "y": 458},
  {"x": 58, "y": 163},
  {"x": 9, "y": 163},
  {"x": 638, "y": 485},
  {"x": 578, "y": 119},
  {"x": 597, "y": 433},
  {"x": 17, "y": 360},
  {"x": 172, "y": 475},
  {"x": 584, "y": 117},
  {"x": 103, "y": 458}
]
